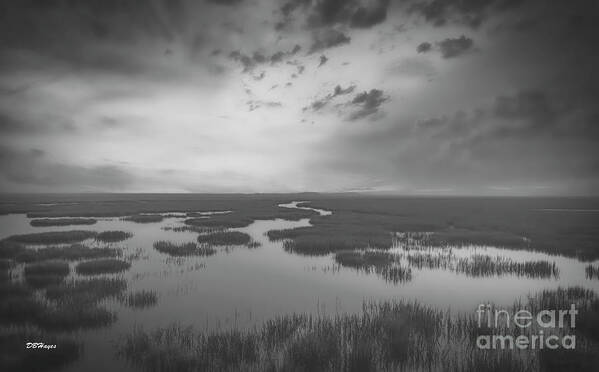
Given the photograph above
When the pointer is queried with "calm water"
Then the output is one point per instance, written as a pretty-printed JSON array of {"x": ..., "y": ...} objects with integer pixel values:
[{"x": 242, "y": 287}]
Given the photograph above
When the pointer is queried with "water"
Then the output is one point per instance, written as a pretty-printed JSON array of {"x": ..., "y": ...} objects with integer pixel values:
[{"x": 242, "y": 287}]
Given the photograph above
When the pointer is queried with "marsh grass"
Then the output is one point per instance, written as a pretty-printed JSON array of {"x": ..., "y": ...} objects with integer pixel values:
[
  {"x": 46, "y": 273},
  {"x": 86, "y": 291},
  {"x": 183, "y": 249},
  {"x": 592, "y": 272},
  {"x": 44, "y": 222},
  {"x": 197, "y": 229},
  {"x": 54, "y": 267},
  {"x": 225, "y": 238},
  {"x": 384, "y": 264},
  {"x": 144, "y": 218},
  {"x": 53, "y": 237},
  {"x": 478, "y": 265},
  {"x": 482, "y": 266},
  {"x": 113, "y": 236},
  {"x": 102, "y": 266},
  {"x": 140, "y": 299},
  {"x": 385, "y": 336},
  {"x": 15, "y": 357},
  {"x": 70, "y": 253},
  {"x": 219, "y": 223},
  {"x": 9, "y": 249}
]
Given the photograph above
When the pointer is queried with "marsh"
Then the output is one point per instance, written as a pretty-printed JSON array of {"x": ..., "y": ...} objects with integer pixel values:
[{"x": 213, "y": 281}]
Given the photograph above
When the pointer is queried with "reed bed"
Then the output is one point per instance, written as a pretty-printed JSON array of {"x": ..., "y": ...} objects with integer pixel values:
[
  {"x": 140, "y": 299},
  {"x": 225, "y": 238},
  {"x": 384, "y": 264},
  {"x": 385, "y": 336},
  {"x": 196, "y": 229},
  {"x": 144, "y": 218},
  {"x": 45, "y": 222},
  {"x": 183, "y": 249},
  {"x": 592, "y": 272},
  {"x": 53, "y": 237},
  {"x": 218, "y": 221},
  {"x": 102, "y": 266},
  {"x": 54, "y": 267},
  {"x": 86, "y": 291},
  {"x": 113, "y": 236},
  {"x": 481, "y": 266},
  {"x": 69, "y": 253}
]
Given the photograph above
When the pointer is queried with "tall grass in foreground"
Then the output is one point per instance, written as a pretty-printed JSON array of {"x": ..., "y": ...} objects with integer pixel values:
[
  {"x": 183, "y": 249},
  {"x": 44, "y": 222},
  {"x": 386, "y": 336}
]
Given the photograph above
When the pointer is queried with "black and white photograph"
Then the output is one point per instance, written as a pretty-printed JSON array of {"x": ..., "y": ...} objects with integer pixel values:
[{"x": 299, "y": 185}]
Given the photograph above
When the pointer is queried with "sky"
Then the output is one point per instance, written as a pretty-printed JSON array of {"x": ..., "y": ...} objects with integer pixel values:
[{"x": 414, "y": 97}]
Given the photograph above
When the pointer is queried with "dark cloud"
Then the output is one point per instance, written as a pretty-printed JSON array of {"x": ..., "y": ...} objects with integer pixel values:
[
  {"x": 471, "y": 13},
  {"x": 424, "y": 47},
  {"x": 327, "y": 13},
  {"x": 328, "y": 38},
  {"x": 451, "y": 48},
  {"x": 323, "y": 60},
  {"x": 338, "y": 91},
  {"x": 368, "y": 103}
]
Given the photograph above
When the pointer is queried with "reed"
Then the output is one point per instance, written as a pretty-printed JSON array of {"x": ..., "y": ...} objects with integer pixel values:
[
  {"x": 183, "y": 249},
  {"x": 388, "y": 336},
  {"x": 592, "y": 272},
  {"x": 144, "y": 218},
  {"x": 69, "y": 253},
  {"x": 102, "y": 266},
  {"x": 113, "y": 236},
  {"x": 86, "y": 291},
  {"x": 53, "y": 237},
  {"x": 140, "y": 299},
  {"x": 45, "y": 222},
  {"x": 225, "y": 238}
]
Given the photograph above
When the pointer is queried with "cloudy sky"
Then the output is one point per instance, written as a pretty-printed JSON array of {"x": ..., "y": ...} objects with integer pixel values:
[{"x": 468, "y": 97}]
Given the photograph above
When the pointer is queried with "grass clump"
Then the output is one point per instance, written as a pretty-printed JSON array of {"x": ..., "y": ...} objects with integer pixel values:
[
  {"x": 44, "y": 222},
  {"x": 70, "y": 253},
  {"x": 183, "y": 249},
  {"x": 113, "y": 236},
  {"x": 45, "y": 273},
  {"x": 220, "y": 222},
  {"x": 102, "y": 266},
  {"x": 482, "y": 266},
  {"x": 53, "y": 237},
  {"x": 592, "y": 272},
  {"x": 225, "y": 238},
  {"x": 86, "y": 291},
  {"x": 144, "y": 218},
  {"x": 141, "y": 299}
]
